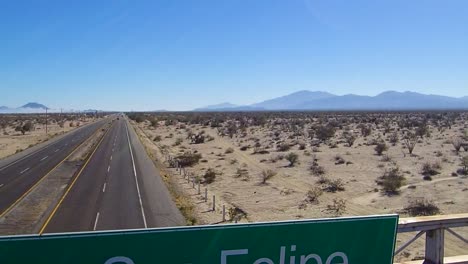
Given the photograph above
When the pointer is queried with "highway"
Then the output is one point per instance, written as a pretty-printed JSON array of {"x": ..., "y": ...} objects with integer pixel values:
[
  {"x": 19, "y": 176},
  {"x": 118, "y": 188}
]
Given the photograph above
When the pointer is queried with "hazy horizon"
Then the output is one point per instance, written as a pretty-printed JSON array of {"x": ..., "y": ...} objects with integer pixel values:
[{"x": 152, "y": 55}]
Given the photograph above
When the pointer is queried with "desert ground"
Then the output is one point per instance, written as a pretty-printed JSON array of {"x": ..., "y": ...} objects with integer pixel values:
[
  {"x": 21, "y": 131},
  {"x": 293, "y": 165}
]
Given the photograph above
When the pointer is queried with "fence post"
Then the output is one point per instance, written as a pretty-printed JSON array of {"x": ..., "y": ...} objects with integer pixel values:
[
  {"x": 206, "y": 195},
  {"x": 435, "y": 246},
  {"x": 198, "y": 187},
  {"x": 214, "y": 203},
  {"x": 224, "y": 213}
]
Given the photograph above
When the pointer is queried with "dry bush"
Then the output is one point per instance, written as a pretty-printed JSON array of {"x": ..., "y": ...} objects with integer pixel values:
[
  {"x": 229, "y": 150},
  {"x": 392, "y": 180},
  {"x": 242, "y": 174},
  {"x": 380, "y": 148},
  {"x": 394, "y": 138},
  {"x": 349, "y": 139},
  {"x": 410, "y": 142},
  {"x": 235, "y": 214},
  {"x": 464, "y": 164},
  {"x": 283, "y": 147},
  {"x": 457, "y": 144},
  {"x": 178, "y": 141},
  {"x": 339, "y": 160},
  {"x": 312, "y": 196},
  {"x": 267, "y": 175},
  {"x": 188, "y": 159},
  {"x": 157, "y": 138},
  {"x": 338, "y": 207},
  {"x": 209, "y": 176},
  {"x": 430, "y": 169},
  {"x": 316, "y": 169},
  {"x": 334, "y": 186},
  {"x": 293, "y": 158},
  {"x": 421, "y": 207}
]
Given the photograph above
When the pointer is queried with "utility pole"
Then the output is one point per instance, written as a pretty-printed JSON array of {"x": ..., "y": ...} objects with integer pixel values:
[
  {"x": 46, "y": 120},
  {"x": 62, "y": 120}
]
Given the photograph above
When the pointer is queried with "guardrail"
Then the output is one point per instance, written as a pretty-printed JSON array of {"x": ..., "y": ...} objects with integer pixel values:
[{"x": 434, "y": 227}]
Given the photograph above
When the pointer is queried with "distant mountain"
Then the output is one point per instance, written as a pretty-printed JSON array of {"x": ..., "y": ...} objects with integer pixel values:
[
  {"x": 34, "y": 106},
  {"x": 292, "y": 100},
  {"x": 217, "y": 106},
  {"x": 390, "y": 100},
  {"x": 230, "y": 109},
  {"x": 25, "y": 109},
  {"x": 225, "y": 105}
]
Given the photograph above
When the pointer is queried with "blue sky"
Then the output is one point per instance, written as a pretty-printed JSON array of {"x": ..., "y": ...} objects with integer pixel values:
[{"x": 180, "y": 54}]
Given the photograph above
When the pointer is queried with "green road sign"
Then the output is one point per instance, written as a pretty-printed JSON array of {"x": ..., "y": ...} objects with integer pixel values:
[{"x": 329, "y": 241}]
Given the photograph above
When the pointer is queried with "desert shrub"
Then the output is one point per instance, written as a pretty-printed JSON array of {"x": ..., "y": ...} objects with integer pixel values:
[
  {"x": 324, "y": 133},
  {"x": 334, "y": 186},
  {"x": 312, "y": 196},
  {"x": 267, "y": 175},
  {"x": 157, "y": 138},
  {"x": 392, "y": 180},
  {"x": 350, "y": 139},
  {"x": 209, "y": 176},
  {"x": 283, "y": 147},
  {"x": 302, "y": 146},
  {"x": 339, "y": 160},
  {"x": 244, "y": 148},
  {"x": 323, "y": 180},
  {"x": 178, "y": 141},
  {"x": 338, "y": 207},
  {"x": 188, "y": 159},
  {"x": 293, "y": 158},
  {"x": 410, "y": 142},
  {"x": 198, "y": 138},
  {"x": 365, "y": 130},
  {"x": 154, "y": 122},
  {"x": 393, "y": 138},
  {"x": 430, "y": 169},
  {"x": 229, "y": 150},
  {"x": 457, "y": 144},
  {"x": 235, "y": 214},
  {"x": 380, "y": 148},
  {"x": 316, "y": 169},
  {"x": 386, "y": 158},
  {"x": 242, "y": 174},
  {"x": 421, "y": 207},
  {"x": 464, "y": 164}
]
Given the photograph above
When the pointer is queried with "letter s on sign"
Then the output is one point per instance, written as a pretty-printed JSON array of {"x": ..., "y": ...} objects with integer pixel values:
[{"x": 123, "y": 260}]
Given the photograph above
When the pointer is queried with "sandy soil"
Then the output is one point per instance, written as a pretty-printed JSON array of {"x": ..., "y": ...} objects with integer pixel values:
[
  {"x": 12, "y": 141},
  {"x": 283, "y": 197}
]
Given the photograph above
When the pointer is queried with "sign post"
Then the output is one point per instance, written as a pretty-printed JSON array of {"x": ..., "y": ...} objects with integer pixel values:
[{"x": 363, "y": 240}]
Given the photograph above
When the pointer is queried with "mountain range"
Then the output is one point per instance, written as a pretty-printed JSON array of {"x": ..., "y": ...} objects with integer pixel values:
[
  {"x": 323, "y": 101},
  {"x": 27, "y": 108}
]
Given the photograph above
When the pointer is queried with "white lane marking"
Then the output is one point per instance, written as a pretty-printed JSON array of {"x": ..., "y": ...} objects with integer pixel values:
[
  {"x": 108, "y": 168},
  {"x": 111, "y": 157},
  {"x": 25, "y": 170},
  {"x": 44, "y": 158},
  {"x": 56, "y": 150},
  {"x": 1, "y": 185},
  {"x": 104, "y": 187},
  {"x": 136, "y": 179},
  {"x": 96, "y": 221}
]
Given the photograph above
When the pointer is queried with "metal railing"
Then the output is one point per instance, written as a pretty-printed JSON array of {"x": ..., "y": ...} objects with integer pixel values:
[{"x": 434, "y": 227}]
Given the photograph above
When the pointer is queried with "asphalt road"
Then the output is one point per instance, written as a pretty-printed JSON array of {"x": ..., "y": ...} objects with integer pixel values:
[
  {"x": 20, "y": 175},
  {"x": 119, "y": 188}
]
